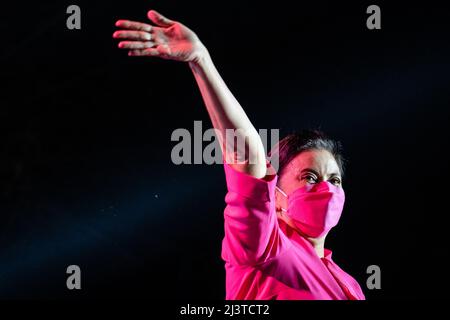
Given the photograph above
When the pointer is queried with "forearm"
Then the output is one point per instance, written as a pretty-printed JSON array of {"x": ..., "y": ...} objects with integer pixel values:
[{"x": 226, "y": 113}]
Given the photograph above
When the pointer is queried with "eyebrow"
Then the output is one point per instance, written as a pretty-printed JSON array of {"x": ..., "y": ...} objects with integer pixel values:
[{"x": 317, "y": 174}]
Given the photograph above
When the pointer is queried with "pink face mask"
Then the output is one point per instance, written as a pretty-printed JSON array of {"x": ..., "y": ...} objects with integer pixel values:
[{"x": 316, "y": 208}]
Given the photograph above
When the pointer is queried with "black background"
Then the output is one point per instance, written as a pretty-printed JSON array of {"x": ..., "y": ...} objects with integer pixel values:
[{"x": 85, "y": 166}]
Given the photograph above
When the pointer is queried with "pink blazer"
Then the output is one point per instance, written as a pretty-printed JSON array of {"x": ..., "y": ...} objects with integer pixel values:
[{"x": 265, "y": 258}]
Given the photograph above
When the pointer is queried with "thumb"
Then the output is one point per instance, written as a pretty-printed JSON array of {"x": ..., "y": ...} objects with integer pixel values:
[{"x": 159, "y": 19}]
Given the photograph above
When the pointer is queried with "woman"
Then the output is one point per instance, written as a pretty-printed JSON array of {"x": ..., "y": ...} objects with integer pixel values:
[{"x": 275, "y": 225}]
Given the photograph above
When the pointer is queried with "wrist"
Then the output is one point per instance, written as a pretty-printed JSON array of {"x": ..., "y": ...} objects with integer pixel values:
[{"x": 201, "y": 59}]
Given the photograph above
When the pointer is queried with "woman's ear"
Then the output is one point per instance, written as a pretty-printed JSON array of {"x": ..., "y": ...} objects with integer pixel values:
[
  {"x": 277, "y": 201},
  {"x": 280, "y": 201}
]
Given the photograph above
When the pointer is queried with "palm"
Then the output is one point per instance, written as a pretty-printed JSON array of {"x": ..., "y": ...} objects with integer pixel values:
[
  {"x": 168, "y": 39},
  {"x": 178, "y": 42}
]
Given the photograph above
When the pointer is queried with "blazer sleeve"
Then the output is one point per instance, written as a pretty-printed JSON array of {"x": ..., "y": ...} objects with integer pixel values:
[{"x": 252, "y": 234}]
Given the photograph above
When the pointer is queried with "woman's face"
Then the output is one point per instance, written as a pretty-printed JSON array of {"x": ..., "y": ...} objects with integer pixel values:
[{"x": 309, "y": 167}]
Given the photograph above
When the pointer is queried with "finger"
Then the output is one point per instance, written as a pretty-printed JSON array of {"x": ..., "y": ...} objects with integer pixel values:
[
  {"x": 135, "y": 44},
  {"x": 132, "y": 35},
  {"x": 158, "y": 19},
  {"x": 144, "y": 52},
  {"x": 134, "y": 25}
]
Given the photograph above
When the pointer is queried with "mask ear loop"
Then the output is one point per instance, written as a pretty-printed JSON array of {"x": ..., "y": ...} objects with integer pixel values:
[{"x": 284, "y": 194}]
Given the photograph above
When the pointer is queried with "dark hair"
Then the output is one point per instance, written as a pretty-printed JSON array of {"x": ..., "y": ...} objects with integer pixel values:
[{"x": 297, "y": 142}]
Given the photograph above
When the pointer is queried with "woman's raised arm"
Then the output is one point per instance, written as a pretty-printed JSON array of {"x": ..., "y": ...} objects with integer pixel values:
[{"x": 170, "y": 39}]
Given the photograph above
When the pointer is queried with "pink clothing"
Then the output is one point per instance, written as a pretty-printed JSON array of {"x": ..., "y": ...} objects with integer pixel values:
[{"x": 265, "y": 258}]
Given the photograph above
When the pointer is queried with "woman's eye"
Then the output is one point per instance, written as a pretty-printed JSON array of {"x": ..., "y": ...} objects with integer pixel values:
[
  {"x": 310, "y": 179},
  {"x": 336, "y": 181}
]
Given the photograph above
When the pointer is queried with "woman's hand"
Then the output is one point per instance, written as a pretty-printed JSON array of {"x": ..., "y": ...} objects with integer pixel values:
[
  {"x": 172, "y": 40},
  {"x": 169, "y": 39}
]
